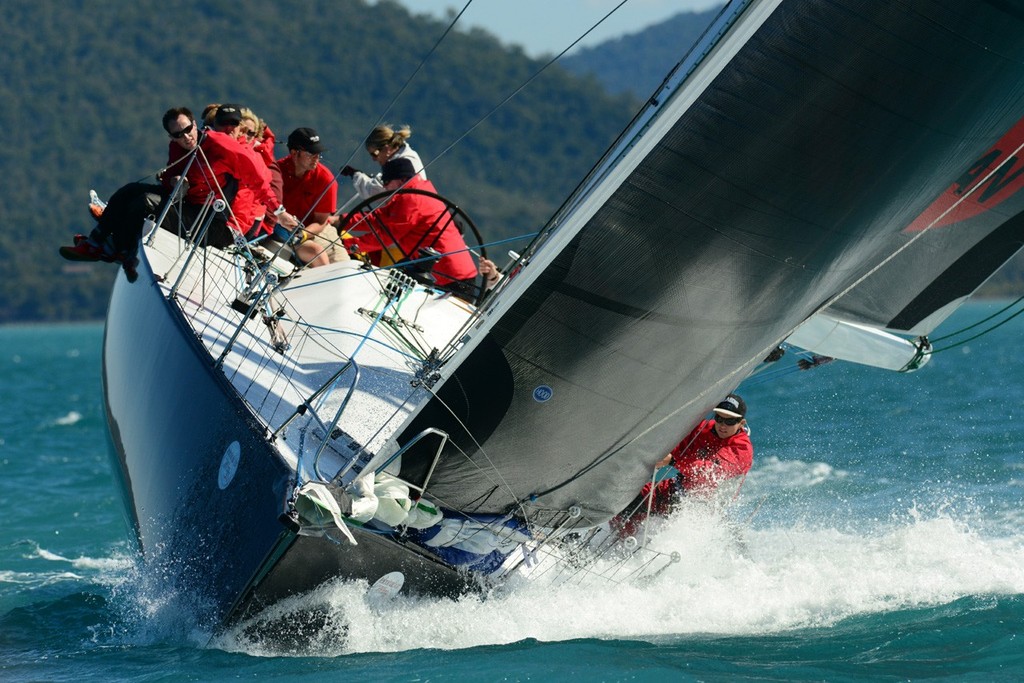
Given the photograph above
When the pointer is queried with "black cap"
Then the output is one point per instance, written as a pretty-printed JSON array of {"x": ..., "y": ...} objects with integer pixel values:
[
  {"x": 305, "y": 139},
  {"x": 397, "y": 169},
  {"x": 228, "y": 114},
  {"x": 732, "y": 406}
]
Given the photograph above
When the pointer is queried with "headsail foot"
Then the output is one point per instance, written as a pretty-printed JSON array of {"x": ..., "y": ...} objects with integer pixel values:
[{"x": 825, "y": 335}]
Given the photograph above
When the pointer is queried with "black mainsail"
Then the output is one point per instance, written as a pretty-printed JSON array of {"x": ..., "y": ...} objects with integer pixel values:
[
  {"x": 782, "y": 169},
  {"x": 951, "y": 248}
]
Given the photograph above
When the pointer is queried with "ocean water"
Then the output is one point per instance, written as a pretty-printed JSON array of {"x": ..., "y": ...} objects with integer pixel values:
[{"x": 878, "y": 537}]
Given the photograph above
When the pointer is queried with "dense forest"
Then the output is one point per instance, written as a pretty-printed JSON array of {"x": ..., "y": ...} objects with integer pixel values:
[
  {"x": 636, "y": 63},
  {"x": 85, "y": 84}
]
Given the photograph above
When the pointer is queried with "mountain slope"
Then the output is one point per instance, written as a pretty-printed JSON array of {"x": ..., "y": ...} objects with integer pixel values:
[
  {"x": 636, "y": 63},
  {"x": 85, "y": 84}
]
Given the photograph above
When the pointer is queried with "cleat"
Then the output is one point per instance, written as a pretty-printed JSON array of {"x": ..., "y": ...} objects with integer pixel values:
[{"x": 96, "y": 211}]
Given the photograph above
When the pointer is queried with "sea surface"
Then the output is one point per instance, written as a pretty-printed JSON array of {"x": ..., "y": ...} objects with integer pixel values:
[{"x": 880, "y": 539}]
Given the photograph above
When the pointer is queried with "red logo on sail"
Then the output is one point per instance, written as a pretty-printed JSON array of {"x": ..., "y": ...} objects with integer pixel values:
[{"x": 990, "y": 180}]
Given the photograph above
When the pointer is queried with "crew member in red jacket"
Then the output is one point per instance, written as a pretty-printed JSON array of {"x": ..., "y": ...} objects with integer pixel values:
[
  {"x": 714, "y": 451},
  {"x": 311, "y": 193},
  {"x": 415, "y": 222},
  {"x": 253, "y": 132},
  {"x": 224, "y": 168},
  {"x": 234, "y": 172}
]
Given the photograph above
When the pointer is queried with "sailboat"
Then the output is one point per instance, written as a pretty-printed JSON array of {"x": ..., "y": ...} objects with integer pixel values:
[{"x": 835, "y": 175}]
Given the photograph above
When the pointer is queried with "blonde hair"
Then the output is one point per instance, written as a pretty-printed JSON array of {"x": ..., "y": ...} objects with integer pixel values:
[
  {"x": 385, "y": 136},
  {"x": 247, "y": 115}
]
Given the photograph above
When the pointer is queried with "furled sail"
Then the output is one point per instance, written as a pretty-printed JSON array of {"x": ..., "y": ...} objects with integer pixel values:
[{"x": 776, "y": 170}]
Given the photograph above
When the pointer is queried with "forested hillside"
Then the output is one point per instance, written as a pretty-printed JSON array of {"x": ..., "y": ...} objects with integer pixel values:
[
  {"x": 636, "y": 63},
  {"x": 85, "y": 83}
]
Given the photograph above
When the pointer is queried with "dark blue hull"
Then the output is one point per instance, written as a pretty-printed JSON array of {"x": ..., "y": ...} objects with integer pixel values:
[{"x": 212, "y": 527}]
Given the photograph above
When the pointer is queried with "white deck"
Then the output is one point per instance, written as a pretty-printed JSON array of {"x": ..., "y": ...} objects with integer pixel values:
[{"x": 329, "y": 316}]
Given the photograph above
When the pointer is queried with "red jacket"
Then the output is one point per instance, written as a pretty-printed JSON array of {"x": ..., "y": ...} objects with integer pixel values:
[
  {"x": 703, "y": 459},
  {"x": 300, "y": 192},
  {"x": 225, "y": 158},
  {"x": 265, "y": 148},
  {"x": 415, "y": 221}
]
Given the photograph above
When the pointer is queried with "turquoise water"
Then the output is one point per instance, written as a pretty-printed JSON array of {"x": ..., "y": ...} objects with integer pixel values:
[{"x": 880, "y": 540}]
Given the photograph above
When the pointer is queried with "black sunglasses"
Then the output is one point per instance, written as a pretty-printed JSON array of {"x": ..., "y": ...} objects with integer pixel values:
[
  {"x": 177, "y": 135},
  {"x": 728, "y": 421}
]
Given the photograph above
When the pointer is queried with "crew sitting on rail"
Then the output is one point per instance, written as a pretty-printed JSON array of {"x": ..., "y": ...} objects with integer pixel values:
[
  {"x": 311, "y": 193},
  {"x": 223, "y": 159}
]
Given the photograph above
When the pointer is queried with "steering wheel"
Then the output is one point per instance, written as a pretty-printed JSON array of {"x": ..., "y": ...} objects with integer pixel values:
[{"x": 460, "y": 218}]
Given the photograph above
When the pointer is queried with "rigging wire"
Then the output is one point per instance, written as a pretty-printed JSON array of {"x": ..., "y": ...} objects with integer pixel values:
[
  {"x": 405, "y": 86},
  {"x": 527, "y": 82},
  {"x": 419, "y": 66},
  {"x": 493, "y": 110},
  {"x": 980, "y": 334},
  {"x": 983, "y": 320}
]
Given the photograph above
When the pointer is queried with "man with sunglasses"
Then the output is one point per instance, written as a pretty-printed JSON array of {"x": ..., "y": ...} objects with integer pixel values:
[
  {"x": 714, "y": 451},
  {"x": 226, "y": 169},
  {"x": 118, "y": 229},
  {"x": 310, "y": 192},
  {"x": 231, "y": 170}
]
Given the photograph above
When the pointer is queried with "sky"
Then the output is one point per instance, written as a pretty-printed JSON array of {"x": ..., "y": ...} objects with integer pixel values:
[{"x": 549, "y": 26}]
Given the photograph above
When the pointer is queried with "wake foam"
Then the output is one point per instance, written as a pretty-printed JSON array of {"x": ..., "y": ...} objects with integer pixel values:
[
  {"x": 765, "y": 580},
  {"x": 739, "y": 574}
]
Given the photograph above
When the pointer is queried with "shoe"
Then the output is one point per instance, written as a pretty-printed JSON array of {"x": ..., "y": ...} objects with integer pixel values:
[
  {"x": 108, "y": 256},
  {"x": 84, "y": 250},
  {"x": 96, "y": 205}
]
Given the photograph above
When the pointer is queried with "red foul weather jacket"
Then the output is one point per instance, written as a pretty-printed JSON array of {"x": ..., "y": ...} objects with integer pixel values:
[
  {"x": 412, "y": 220},
  {"x": 240, "y": 174},
  {"x": 703, "y": 459}
]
